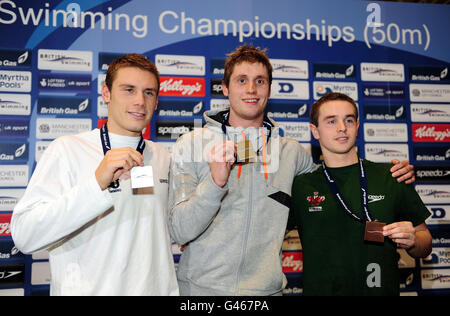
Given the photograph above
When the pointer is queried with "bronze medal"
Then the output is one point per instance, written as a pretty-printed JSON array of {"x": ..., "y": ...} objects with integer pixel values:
[{"x": 374, "y": 232}]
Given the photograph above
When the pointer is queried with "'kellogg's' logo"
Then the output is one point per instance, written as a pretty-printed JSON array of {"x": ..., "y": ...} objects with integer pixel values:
[
  {"x": 182, "y": 87},
  {"x": 5, "y": 220},
  {"x": 292, "y": 262},
  {"x": 431, "y": 132}
]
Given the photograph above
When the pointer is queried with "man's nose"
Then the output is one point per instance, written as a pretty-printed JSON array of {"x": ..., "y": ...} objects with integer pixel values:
[
  {"x": 341, "y": 126},
  {"x": 139, "y": 98},
  {"x": 251, "y": 87}
]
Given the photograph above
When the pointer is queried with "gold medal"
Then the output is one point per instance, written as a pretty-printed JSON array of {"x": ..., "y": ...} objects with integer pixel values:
[{"x": 245, "y": 151}]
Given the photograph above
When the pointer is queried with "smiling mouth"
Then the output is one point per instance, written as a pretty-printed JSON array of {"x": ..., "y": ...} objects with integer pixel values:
[
  {"x": 342, "y": 139},
  {"x": 251, "y": 101},
  {"x": 137, "y": 115}
]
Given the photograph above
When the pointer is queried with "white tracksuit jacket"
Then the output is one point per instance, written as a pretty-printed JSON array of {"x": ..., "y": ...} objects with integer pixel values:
[{"x": 99, "y": 242}]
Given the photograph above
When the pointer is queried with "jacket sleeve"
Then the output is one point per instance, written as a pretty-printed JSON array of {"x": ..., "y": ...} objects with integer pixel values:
[
  {"x": 305, "y": 162},
  {"x": 55, "y": 205},
  {"x": 194, "y": 198}
]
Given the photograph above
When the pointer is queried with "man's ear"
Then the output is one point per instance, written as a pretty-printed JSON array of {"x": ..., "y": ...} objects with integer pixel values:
[
  {"x": 314, "y": 131},
  {"x": 106, "y": 94},
  {"x": 224, "y": 89}
]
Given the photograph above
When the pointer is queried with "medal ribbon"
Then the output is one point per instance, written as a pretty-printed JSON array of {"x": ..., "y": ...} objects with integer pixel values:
[
  {"x": 340, "y": 199},
  {"x": 106, "y": 144}
]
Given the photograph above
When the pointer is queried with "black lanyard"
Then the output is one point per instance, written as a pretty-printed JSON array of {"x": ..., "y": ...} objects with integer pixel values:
[
  {"x": 339, "y": 198},
  {"x": 106, "y": 144}
]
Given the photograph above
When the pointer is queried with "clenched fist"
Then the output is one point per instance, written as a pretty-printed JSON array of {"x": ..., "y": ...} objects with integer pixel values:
[
  {"x": 115, "y": 163},
  {"x": 221, "y": 158}
]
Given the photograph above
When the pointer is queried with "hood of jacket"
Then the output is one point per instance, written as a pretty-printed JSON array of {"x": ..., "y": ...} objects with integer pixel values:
[{"x": 218, "y": 120}]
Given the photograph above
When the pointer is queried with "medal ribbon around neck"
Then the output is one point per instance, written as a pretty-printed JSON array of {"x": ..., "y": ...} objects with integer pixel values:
[{"x": 340, "y": 199}]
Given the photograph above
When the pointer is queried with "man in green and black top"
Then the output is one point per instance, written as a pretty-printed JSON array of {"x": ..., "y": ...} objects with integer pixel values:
[{"x": 335, "y": 206}]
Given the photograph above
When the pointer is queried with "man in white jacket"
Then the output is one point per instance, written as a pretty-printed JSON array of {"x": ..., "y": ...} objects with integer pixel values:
[{"x": 103, "y": 237}]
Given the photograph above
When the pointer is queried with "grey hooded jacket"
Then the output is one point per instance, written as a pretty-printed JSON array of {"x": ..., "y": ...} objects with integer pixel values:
[{"x": 233, "y": 234}]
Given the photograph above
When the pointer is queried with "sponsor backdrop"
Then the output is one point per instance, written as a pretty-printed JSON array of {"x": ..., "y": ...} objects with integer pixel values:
[{"x": 393, "y": 58}]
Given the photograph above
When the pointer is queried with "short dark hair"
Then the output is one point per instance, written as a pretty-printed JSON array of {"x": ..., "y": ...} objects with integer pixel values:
[
  {"x": 331, "y": 96},
  {"x": 246, "y": 53},
  {"x": 130, "y": 60}
]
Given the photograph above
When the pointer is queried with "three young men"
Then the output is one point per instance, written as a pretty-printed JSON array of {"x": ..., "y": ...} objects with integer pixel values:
[
  {"x": 346, "y": 208},
  {"x": 227, "y": 205}
]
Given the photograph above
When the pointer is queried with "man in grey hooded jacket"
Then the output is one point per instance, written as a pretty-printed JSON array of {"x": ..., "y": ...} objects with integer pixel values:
[{"x": 230, "y": 188}]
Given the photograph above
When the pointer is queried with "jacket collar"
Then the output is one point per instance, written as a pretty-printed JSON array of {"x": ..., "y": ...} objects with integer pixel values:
[{"x": 223, "y": 117}]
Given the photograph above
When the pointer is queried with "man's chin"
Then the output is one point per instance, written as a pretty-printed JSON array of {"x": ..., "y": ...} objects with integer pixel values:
[
  {"x": 137, "y": 128},
  {"x": 253, "y": 116}
]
